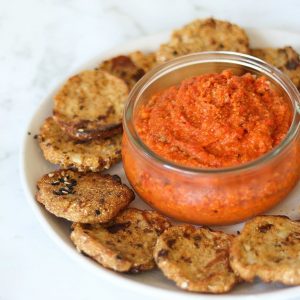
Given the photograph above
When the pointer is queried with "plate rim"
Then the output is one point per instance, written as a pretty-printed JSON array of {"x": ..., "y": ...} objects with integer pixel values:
[{"x": 104, "y": 273}]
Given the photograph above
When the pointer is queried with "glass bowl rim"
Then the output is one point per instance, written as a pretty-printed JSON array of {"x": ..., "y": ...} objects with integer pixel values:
[{"x": 206, "y": 57}]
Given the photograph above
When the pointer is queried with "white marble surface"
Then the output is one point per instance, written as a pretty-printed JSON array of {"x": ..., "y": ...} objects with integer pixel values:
[{"x": 41, "y": 42}]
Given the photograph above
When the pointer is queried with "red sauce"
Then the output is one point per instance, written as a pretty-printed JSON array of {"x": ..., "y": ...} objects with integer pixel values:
[{"x": 215, "y": 120}]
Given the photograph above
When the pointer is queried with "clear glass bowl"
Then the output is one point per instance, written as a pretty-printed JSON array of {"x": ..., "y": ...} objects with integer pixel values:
[{"x": 210, "y": 196}]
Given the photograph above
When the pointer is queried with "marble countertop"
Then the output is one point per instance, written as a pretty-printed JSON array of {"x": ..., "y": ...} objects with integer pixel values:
[{"x": 41, "y": 42}]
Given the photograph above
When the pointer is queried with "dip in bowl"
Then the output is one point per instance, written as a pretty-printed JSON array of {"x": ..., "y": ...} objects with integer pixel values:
[{"x": 212, "y": 138}]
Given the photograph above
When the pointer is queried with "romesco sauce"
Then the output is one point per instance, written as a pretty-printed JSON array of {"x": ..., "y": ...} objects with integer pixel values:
[{"x": 213, "y": 121}]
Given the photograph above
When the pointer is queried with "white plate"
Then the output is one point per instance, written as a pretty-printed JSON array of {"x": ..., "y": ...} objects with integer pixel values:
[{"x": 33, "y": 166}]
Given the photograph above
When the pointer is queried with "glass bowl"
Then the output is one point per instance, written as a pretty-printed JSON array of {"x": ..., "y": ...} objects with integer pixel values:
[{"x": 209, "y": 196}]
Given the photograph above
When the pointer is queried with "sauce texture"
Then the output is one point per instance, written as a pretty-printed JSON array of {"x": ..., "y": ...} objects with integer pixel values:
[{"x": 214, "y": 120}]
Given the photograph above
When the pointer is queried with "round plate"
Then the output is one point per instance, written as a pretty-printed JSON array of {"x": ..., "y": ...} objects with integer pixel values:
[{"x": 33, "y": 166}]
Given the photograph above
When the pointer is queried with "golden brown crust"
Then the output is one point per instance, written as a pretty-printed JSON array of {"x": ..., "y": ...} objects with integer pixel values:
[
  {"x": 204, "y": 35},
  {"x": 268, "y": 247},
  {"x": 197, "y": 259},
  {"x": 90, "y": 105},
  {"x": 146, "y": 61},
  {"x": 125, "y": 244},
  {"x": 285, "y": 59},
  {"x": 83, "y": 197},
  {"x": 123, "y": 67},
  {"x": 94, "y": 155}
]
